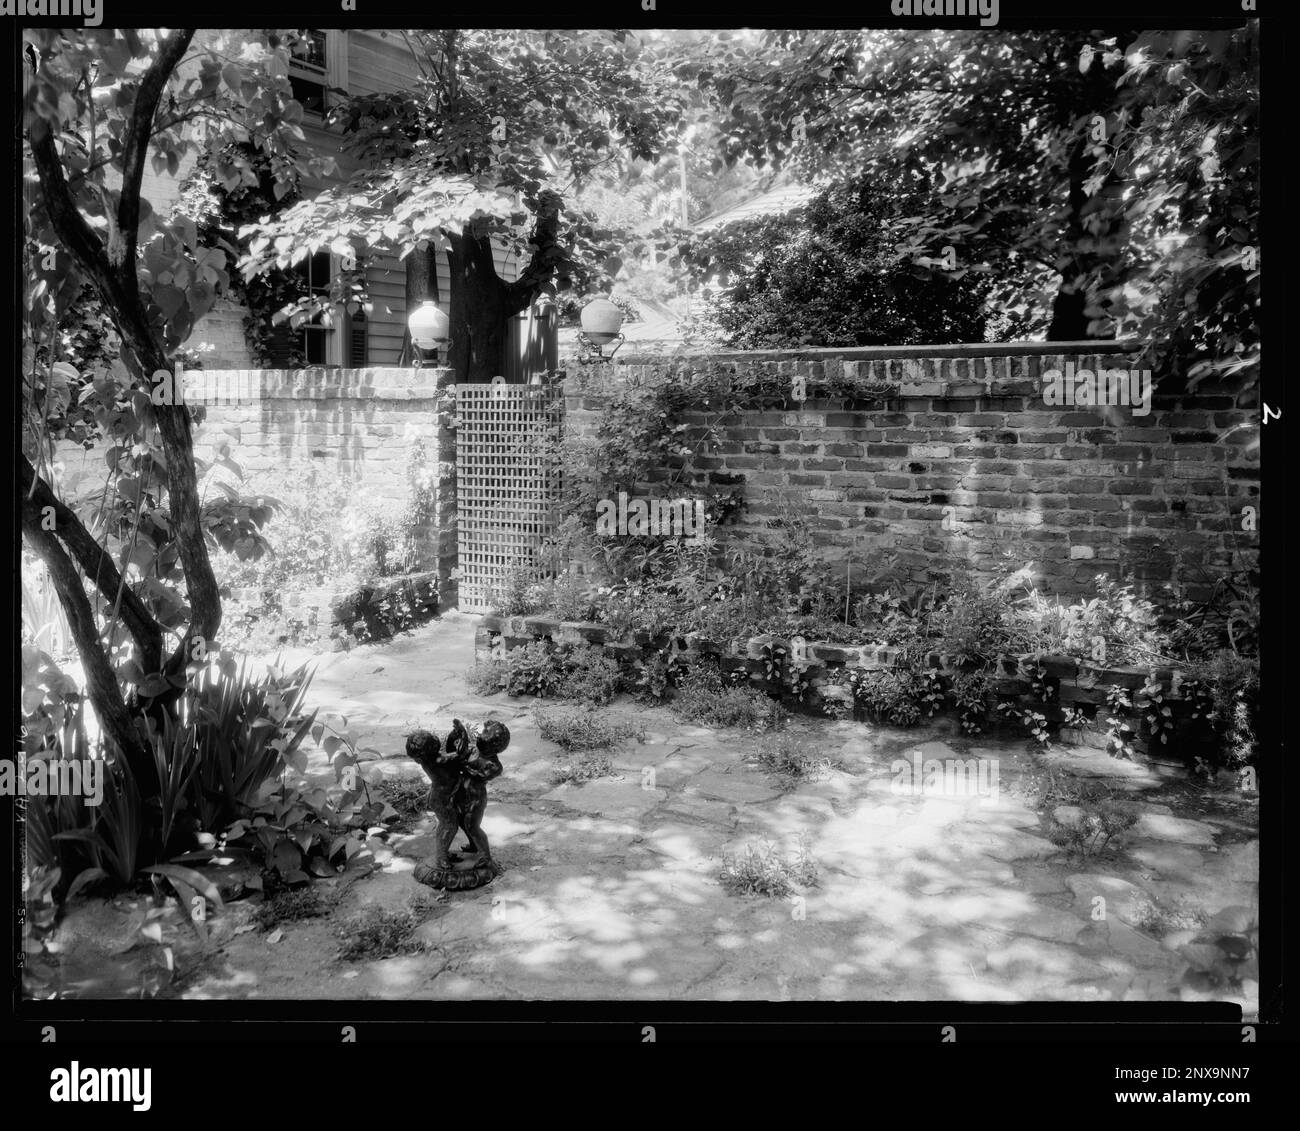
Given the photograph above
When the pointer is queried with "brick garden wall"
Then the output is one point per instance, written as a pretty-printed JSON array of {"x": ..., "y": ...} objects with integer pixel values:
[
  {"x": 360, "y": 425},
  {"x": 970, "y": 461}
]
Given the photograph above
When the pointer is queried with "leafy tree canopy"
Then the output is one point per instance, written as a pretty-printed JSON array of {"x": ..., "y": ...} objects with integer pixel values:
[
  {"x": 1125, "y": 165},
  {"x": 501, "y": 130}
]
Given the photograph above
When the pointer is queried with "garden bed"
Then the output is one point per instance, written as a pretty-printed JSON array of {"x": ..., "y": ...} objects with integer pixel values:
[
  {"x": 366, "y": 612},
  {"x": 817, "y": 676}
]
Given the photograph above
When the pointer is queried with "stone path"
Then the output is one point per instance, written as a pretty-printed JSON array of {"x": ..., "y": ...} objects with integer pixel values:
[{"x": 610, "y": 888}]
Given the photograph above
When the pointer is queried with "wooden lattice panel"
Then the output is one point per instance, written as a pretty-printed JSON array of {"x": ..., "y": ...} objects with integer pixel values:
[{"x": 507, "y": 483}]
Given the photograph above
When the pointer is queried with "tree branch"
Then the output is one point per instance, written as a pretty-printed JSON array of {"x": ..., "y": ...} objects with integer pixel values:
[
  {"x": 135, "y": 150},
  {"x": 101, "y": 683},
  {"x": 541, "y": 266},
  {"x": 97, "y": 564}
]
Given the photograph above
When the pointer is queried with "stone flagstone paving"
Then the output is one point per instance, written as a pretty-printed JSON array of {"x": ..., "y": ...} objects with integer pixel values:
[{"x": 610, "y": 888}]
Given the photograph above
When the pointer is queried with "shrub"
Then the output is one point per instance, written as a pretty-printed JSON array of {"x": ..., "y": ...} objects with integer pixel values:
[
  {"x": 890, "y": 696},
  {"x": 534, "y": 669},
  {"x": 1100, "y": 822},
  {"x": 1229, "y": 686},
  {"x": 589, "y": 676},
  {"x": 704, "y": 698},
  {"x": 487, "y": 677}
]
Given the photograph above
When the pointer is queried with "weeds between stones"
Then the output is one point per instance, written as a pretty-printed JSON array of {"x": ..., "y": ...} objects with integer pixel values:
[
  {"x": 768, "y": 872},
  {"x": 576, "y": 728},
  {"x": 378, "y": 932},
  {"x": 792, "y": 757}
]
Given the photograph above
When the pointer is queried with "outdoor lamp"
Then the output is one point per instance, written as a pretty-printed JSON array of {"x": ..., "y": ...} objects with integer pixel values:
[
  {"x": 430, "y": 329},
  {"x": 601, "y": 320}
]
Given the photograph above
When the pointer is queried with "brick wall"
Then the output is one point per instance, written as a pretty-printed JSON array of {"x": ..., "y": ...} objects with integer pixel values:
[
  {"x": 360, "y": 424},
  {"x": 969, "y": 461}
]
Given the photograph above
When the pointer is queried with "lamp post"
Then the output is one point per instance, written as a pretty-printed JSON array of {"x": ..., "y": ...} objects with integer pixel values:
[
  {"x": 601, "y": 320},
  {"x": 430, "y": 330}
]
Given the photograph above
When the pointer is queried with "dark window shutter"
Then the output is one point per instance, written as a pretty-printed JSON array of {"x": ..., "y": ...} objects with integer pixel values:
[
  {"x": 357, "y": 342},
  {"x": 280, "y": 346}
]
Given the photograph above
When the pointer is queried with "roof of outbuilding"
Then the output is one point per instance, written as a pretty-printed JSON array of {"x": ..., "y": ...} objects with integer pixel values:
[{"x": 773, "y": 202}]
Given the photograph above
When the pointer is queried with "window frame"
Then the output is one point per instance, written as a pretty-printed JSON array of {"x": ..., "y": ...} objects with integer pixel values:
[{"x": 333, "y": 75}]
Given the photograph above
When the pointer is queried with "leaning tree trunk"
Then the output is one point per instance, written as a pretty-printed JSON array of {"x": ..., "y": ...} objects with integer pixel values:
[
  {"x": 481, "y": 304},
  {"x": 479, "y": 309}
]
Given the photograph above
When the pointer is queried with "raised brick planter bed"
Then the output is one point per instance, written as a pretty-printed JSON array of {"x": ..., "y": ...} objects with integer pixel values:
[{"x": 1076, "y": 681}]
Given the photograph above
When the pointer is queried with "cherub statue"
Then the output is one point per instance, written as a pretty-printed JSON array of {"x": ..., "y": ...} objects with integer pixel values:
[{"x": 458, "y": 777}]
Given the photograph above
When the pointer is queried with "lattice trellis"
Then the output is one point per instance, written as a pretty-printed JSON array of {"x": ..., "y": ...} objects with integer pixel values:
[{"x": 507, "y": 483}]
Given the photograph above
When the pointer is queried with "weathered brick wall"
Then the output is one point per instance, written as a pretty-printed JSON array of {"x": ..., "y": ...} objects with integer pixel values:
[
  {"x": 358, "y": 424},
  {"x": 970, "y": 461}
]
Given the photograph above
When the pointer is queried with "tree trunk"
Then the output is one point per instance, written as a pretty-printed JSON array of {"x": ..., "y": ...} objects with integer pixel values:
[
  {"x": 421, "y": 286},
  {"x": 112, "y": 268},
  {"x": 479, "y": 310}
]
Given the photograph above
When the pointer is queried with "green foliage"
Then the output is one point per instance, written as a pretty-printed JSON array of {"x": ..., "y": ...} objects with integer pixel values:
[
  {"x": 378, "y": 933},
  {"x": 1119, "y": 728},
  {"x": 578, "y": 672},
  {"x": 574, "y": 770},
  {"x": 487, "y": 677},
  {"x": 1225, "y": 691},
  {"x": 324, "y": 534},
  {"x": 287, "y": 906},
  {"x": 1100, "y": 822},
  {"x": 590, "y": 676},
  {"x": 703, "y": 697},
  {"x": 793, "y": 757},
  {"x": 768, "y": 872},
  {"x": 118, "y": 832},
  {"x": 1156, "y": 713},
  {"x": 891, "y": 696},
  {"x": 1115, "y": 627},
  {"x": 483, "y": 147},
  {"x": 585, "y": 729},
  {"x": 534, "y": 669},
  {"x": 1109, "y": 182},
  {"x": 830, "y": 275},
  {"x": 969, "y": 693}
]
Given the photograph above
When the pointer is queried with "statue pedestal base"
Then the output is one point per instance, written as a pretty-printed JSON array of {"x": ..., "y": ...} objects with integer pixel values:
[{"x": 459, "y": 876}]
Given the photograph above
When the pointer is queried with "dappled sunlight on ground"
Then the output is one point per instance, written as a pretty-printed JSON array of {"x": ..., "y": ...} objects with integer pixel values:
[{"x": 611, "y": 888}]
